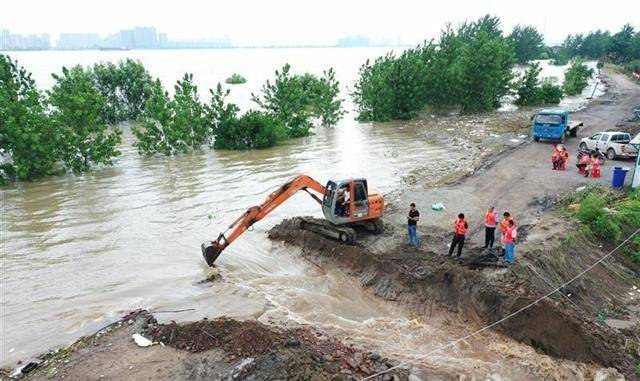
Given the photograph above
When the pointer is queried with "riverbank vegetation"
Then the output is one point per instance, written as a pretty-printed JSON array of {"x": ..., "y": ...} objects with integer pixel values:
[
  {"x": 607, "y": 215},
  {"x": 620, "y": 48},
  {"x": 74, "y": 126},
  {"x": 439, "y": 74},
  {"x": 470, "y": 68},
  {"x": 235, "y": 79}
]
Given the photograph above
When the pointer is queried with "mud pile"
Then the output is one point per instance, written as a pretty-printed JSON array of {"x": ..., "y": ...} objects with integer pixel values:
[
  {"x": 271, "y": 353},
  {"x": 421, "y": 280},
  {"x": 220, "y": 349}
]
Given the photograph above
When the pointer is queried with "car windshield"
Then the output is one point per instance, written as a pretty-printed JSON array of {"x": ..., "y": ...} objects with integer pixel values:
[{"x": 549, "y": 119}]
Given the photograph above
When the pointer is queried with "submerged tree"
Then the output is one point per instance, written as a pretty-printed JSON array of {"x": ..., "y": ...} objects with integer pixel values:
[
  {"x": 531, "y": 91},
  {"x": 125, "y": 87},
  {"x": 254, "y": 129},
  {"x": 78, "y": 114},
  {"x": 27, "y": 136},
  {"x": 171, "y": 126},
  {"x": 286, "y": 100},
  {"x": 576, "y": 77}
]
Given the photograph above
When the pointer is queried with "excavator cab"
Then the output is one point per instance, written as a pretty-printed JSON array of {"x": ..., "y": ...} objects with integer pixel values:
[{"x": 345, "y": 201}]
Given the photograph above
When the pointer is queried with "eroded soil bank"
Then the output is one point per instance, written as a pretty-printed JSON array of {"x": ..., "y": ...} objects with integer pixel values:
[{"x": 421, "y": 281}]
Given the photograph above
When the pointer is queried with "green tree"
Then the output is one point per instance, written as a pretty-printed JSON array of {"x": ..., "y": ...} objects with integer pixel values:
[
  {"x": 527, "y": 42},
  {"x": 622, "y": 44},
  {"x": 322, "y": 96},
  {"x": 189, "y": 112},
  {"x": 576, "y": 77},
  {"x": 531, "y": 91},
  {"x": 286, "y": 101},
  {"x": 125, "y": 87},
  {"x": 254, "y": 129},
  {"x": 172, "y": 126},
  {"x": 27, "y": 136},
  {"x": 595, "y": 45},
  {"x": 157, "y": 132},
  {"x": 78, "y": 113}
]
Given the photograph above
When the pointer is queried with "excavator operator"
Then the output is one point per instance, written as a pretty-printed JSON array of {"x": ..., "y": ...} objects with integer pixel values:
[{"x": 342, "y": 204}]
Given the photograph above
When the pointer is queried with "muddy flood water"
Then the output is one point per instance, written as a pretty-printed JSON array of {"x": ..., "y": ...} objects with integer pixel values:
[{"x": 78, "y": 252}]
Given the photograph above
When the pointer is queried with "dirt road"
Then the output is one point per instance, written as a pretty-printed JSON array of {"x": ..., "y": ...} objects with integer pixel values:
[{"x": 517, "y": 178}]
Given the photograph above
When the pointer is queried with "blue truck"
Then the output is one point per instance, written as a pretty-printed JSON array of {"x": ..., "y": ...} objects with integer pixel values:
[{"x": 553, "y": 125}]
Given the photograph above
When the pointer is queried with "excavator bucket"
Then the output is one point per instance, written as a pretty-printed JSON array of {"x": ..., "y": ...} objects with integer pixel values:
[{"x": 211, "y": 251}]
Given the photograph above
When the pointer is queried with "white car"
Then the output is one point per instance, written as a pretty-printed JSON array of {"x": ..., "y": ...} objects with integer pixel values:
[{"x": 611, "y": 143}]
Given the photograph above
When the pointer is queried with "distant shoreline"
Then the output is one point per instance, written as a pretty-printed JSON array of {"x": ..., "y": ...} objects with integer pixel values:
[{"x": 210, "y": 48}]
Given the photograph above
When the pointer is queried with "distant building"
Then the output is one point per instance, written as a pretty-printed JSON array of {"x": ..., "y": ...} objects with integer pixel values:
[
  {"x": 9, "y": 41},
  {"x": 354, "y": 41},
  {"x": 162, "y": 40},
  {"x": 77, "y": 41},
  {"x": 145, "y": 37}
]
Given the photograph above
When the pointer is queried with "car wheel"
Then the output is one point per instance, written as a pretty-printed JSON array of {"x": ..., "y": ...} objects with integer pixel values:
[
  {"x": 583, "y": 146},
  {"x": 611, "y": 154},
  {"x": 536, "y": 139}
]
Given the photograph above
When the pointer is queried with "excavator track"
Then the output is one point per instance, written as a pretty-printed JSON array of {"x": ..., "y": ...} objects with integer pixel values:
[{"x": 344, "y": 234}]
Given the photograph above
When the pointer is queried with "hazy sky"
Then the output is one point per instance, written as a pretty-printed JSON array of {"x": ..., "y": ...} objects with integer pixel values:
[{"x": 263, "y": 22}]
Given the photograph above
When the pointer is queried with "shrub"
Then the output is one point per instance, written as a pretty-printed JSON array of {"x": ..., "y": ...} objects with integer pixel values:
[
  {"x": 78, "y": 114},
  {"x": 550, "y": 93},
  {"x": 633, "y": 66},
  {"x": 235, "y": 79},
  {"x": 591, "y": 213},
  {"x": 576, "y": 77},
  {"x": 254, "y": 129}
]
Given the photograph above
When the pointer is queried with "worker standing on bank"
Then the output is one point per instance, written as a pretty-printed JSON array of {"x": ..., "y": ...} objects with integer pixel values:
[
  {"x": 489, "y": 228},
  {"x": 504, "y": 226},
  {"x": 510, "y": 242},
  {"x": 412, "y": 224},
  {"x": 459, "y": 232}
]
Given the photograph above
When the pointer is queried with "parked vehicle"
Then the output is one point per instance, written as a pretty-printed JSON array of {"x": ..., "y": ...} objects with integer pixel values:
[
  {"x": 614, "y": 144},
  {"x": 553, "y": 125}
]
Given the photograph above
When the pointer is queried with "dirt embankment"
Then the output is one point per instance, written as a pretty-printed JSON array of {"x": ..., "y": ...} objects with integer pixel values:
[
  {"x": 421, "y": 281},
  {"x": 220, "y": 349},
  {"x": 518, "y": 180}
]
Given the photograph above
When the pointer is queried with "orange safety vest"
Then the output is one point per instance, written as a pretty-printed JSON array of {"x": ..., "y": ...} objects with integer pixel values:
[
  {"x": 490, "y": 219},
  {"x": 510, "y": 235},
  {"x": 584, "y": 159},
  {"x": 595, "y": 162},
  {"x": 460, "y": 227},
  {"x": 504, "y": 224},
  {"x": 565, "y": 155}
]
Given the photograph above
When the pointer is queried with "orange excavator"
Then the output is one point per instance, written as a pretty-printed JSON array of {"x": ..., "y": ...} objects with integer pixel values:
[{"x": 345, "y": 204}]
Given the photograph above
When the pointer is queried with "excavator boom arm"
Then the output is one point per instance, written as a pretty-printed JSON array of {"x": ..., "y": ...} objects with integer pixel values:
[{"x": 211, "y": 250}]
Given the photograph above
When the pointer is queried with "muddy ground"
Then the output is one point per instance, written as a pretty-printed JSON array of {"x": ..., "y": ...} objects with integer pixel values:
[
  {"x": 220, "y": 349},
  {"x": 515, "y": 178}
]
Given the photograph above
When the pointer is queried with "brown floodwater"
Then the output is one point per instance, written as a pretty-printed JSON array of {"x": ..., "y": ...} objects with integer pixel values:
[{"x": 79, "y": 251}]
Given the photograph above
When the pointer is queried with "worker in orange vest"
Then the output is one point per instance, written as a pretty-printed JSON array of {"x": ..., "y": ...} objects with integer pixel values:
[
  {"x": 489, "y": 228},
  {"x": 594, "y": 163},
  {"x": 510, "y": 242},
  {"x": 459, "y": 231},
  {"x": 504, "y": 226}
]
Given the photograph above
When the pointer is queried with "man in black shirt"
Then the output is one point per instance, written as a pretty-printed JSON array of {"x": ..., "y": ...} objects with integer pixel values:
[{"x": 412, "y": 221}]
